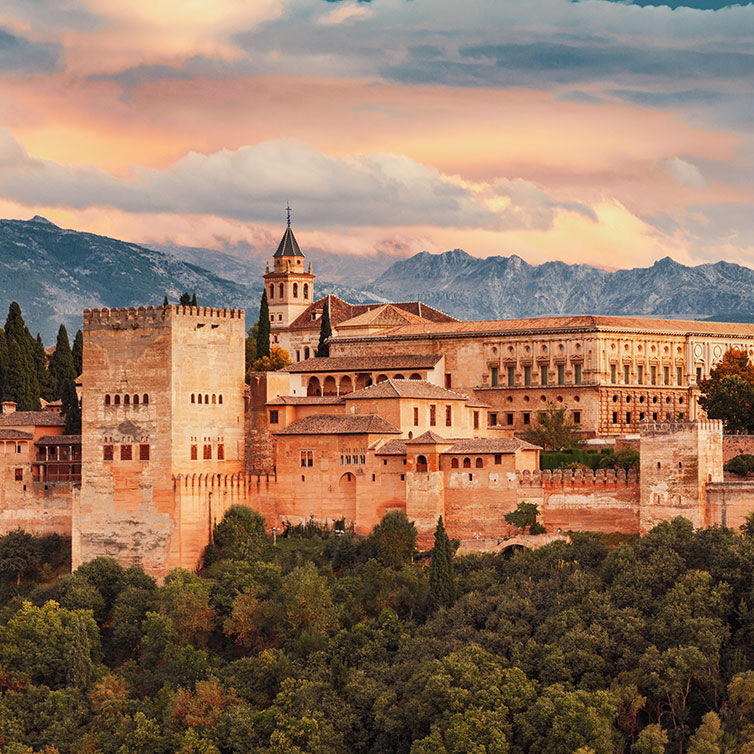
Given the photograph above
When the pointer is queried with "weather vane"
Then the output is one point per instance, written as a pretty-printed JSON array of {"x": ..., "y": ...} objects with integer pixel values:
[{"x": 288, "y": 210}]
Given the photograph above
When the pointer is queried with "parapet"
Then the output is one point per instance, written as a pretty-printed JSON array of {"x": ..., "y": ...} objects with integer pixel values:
[
  {"x": 577, "y": 477},
  {"x": 653, "y": 429},
  {"x": 131, "y": 318}
]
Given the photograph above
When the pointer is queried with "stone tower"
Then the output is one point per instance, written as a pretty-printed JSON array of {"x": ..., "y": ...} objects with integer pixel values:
[
  {"x": 677, "y": 461},
  {"x": 162, "y": 401},
  {"x": 290, "y": 286}
]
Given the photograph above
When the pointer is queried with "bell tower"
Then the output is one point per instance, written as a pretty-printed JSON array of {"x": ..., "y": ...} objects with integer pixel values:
[{"x": 290, "y": 286}]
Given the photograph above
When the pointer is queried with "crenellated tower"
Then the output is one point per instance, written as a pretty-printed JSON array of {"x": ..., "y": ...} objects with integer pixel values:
[{"x": 290, "y": 284}]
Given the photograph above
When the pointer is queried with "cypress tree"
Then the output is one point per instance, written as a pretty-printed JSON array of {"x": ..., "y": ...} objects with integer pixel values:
[
  {"x": 79, "y": 671},
  {"x": 442, "y": 584},
  {"x": 263, "y": 335},
  {"x": 46, "y": 383},
  {"x": 165, "y": 303},
  {"x": 185, "y": 299},
  {"x": 193, "y": 302},
  {"x": 71, "y": 408},
  {"x": 61, "y": 363},
  {"x": 77, "y": 353},
  {"x": 22, "y": 384},
  {"x": 3, "y": 362},
  {"x": 325, "y": 330}
]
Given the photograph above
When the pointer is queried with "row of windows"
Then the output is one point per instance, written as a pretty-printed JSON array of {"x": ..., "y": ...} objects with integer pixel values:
[
  {"x": 348, "y": 459},
  {"x": 493, "y": 416},
  {"x": 126, "y": 452},
  {"x": 656, "y": 416},
  {"x": 655, "y": 399},
  {"x": 281, "y": 289},
  {"x": 640, "y": 375},
  {"x": 207, "y": 452},
  {"x": 197, "y": 398},
  {"x": 433, "y": 416},
  {"x": 126, "y": 399},
  {"x": 544, "y": 375}
]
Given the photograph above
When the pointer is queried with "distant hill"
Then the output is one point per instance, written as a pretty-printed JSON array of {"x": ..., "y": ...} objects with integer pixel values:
[{"x": 55, "y": 273}]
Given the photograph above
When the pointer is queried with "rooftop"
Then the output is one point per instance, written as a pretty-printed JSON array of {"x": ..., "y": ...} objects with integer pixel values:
[
  {"x": 306, "y": 400},
  {"x": 392, "y": 448},
  {"x": 339, "y": 424},
  {"x": 418, "y": 389},
  {"x": 491, "y": 445},
  {"x": 363, "y": 363},
  {"x": 427, "y": 438},
  {"x": 32, "y": 419},
  {"x": 15, "y": 434},
  {"x": 59, "y": 440},
  {"x": 288, "y": 246}
]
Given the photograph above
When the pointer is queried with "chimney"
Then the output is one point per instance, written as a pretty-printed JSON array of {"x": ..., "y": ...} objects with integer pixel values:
[{"x": 9, "y": 407}]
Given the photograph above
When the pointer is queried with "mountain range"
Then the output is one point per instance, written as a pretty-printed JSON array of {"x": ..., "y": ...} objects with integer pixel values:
[{"x": 55, "y": 273}]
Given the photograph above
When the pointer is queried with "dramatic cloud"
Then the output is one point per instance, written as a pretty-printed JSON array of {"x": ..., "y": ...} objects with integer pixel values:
[{"x": 19, "y": 56}]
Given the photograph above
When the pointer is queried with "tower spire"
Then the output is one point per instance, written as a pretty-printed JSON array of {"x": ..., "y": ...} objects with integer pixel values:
[{"x": 288, "y": 212}]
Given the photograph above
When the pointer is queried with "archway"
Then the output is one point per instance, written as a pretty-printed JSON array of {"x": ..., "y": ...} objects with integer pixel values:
[
  {"x": 329, "y": 388},
  {"x": 314, "y": 387},
  {"x": 381, "y": 377},
  {"x": 347, "y": 489},
  {"x": 415, "y": 376},
  {"x": 362, "y": 381},
  {"x": 421, "y": 464},
  {"x": 346, "y": 386},
  {"x": 398, "y": 377}
]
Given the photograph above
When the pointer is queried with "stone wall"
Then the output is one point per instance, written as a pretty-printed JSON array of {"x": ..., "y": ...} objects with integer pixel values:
[{"x": 734, "y": 445}]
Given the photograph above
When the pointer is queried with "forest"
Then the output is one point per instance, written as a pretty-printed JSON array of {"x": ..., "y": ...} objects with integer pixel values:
[{"x": 324, "y": 641}]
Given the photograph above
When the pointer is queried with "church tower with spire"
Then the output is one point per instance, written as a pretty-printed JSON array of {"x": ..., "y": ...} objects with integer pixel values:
[{"x": 290, "y": 285}]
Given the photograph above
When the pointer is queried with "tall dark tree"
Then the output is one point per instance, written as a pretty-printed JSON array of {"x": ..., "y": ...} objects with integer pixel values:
[
  {"x": 21, "y": 383},
  {"x": 77, "y": 352},
  {"x": 325, "y": 330},
  {"x": 185, "y": 299},
  {"x": 71, "y": 408},
  {"x": 263, "y": 334},
  {"x": 442, "y": 583},
  {"x": 61, "y": 363},
  {"x": 46, "y": 383},
  {"x": 3, "y": 362},
  {"x": 165, "y": 303},
  {"x": 193, "y": 301}
]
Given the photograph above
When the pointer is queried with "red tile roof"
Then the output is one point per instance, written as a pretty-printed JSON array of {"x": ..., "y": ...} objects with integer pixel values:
[
  {"x": 306, "y": 400},
  {"x": 364, "y": 363},
  {"x": 31, "y": 419},
  {"x": 491, "y": 445},
  {"x": 15, "y": 434},
  {"x": 59, "y": 440},
  {"x": 429, "y": 438},
  {"x": 392, "y": 448},
  {"x": 392, "y": 388},
  {"x": 339, "y": 424}
]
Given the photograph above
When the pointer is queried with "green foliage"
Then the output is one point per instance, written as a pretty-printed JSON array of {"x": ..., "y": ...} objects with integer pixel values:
[
  {"x": 442, "y": 584},
  {"x": 21, "y": 381},
  {"x": 241, "y": 534},
  {"x": 623, "y": 457},
  {"x": 652, "y": 740},
  {"x": 395, "y": 539},
  {"x": 277, "y": 359},
  {"x": 553, "y": 430},
  {"x": 62, "y": 370},
  {"x": 185, "y": 299},
  {"x": 263, "y": 333},
  {"x": 731, "y": 399},
  {"x": 77, "y": 353},
  {"x": 71, "y": 408},
  {"x": 525, "y": 517},
  {"x": 741, "y": 464},
  {"x": 19, "y": 554},
  {"x": 46, "y": 384},
  {"x": 563, "y": 459},
  {"x": 251, "y": 347},
  {"x": 325, "y": 330}
]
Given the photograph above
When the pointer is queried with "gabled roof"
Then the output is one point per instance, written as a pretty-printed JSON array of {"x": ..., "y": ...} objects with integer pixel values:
[
  {"x": 59, "y": 440},
  {"x": 429, "y": 438},
  {"x": 387, "y": 315},
  {"x": 306, "y": 400},
  {"x": 339, "y": 424},
  {"x": 392, "y": 448},
  {"x": 418, "y": 389},
  {"x": 31, "y": 419},
  {"x": 15, "y": 434},
  {"x": 490, "y": 445},
  {"x": 288, "y": 246},
  {"x": 364, "y": 363}
]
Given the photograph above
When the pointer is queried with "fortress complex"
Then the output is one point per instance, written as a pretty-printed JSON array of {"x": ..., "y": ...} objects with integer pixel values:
[{"x": 412, "y": 411}]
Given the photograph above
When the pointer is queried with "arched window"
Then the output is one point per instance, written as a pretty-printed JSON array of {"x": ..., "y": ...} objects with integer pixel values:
[
  {"x": 126, "y": 399},
  {"x": 453, "y": 463},
  {"x": 214, "y": 398},
  {"x": 421, "y": 463},
  {"x": 136, "y": 399},
  {"x": 193, "y": 398},
  {"x": 306, "y": 352},
  {"x": 206, "y": 398},
  {"x": 220, "y": 398},
  {"x": 117, "y": 400},
  {"x": 466, "y": 463},
  {"x": 107, "y": 400},
  {"x": 479, "y": 463},
  {"x": 295, "y": 290},
  {"x": 306, "y": 291},
  {"x": 281, "y": 289},
  {"x": 145, "y": 399},
  {"x": 200, "y": 398},
  {"x": 272, "y": 291}
]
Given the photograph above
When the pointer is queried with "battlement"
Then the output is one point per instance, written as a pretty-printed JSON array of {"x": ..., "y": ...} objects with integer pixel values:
[
  {"x": 577, "y": 477},
  {"x": 150, "y": 316},
  {"x": 653, "y": 429}
]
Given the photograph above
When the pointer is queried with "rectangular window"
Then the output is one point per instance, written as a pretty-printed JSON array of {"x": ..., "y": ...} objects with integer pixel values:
[
  {"x": 641, "y": 416},
  {"x": 654, "y": 416},
  {"x": 107, "y": 453},
  {"x": 666, "y": 375},
  {"x": 18, "y": 448},
  {"x": 698, "y": 375},
  {"x": 653, "y": 374},
  {"x": 448, "y": 380},
  {"x": 307, "y": 459},
  {"x": 19, "y": 475},
  {"x": 274, "y": 416},
  {"x": 194, "y": 453},
  {"x": 615, "y": 417},
  {"x": 432, "y": 415},
  {"x": 298, "y": 355},
  {"x": 679, "y": 375},
  {"x": 561, "y": 374},
  {"x": 527, "y": 376},
  {"x": 543, "y": 376},
  {"x": 613, "y": 375},
  {"x": 626, "y": 374},
  {"x": 448, "y": 416},
  {"x": 493, "y": 376},
  {"x": 628, "y": 417},
  {"x": 577, "y": 417},
  {"x": 492, "y": 419},
  {"x": 125, "y": 453},
  {"x": 498, "y": 459},
  {"x": 476, "y": 420},
  {"x": 511, "y": 376},
  {"x": 577, "y": 374},
  {"x": 221, "y": 452},
  {"x": 509, "y": 419},
  {"x": 681, "y": 416},
  {"x": 143, "y": 452},
  {"x": 416, "y": 416},
  {"x": 527, "y": 418},
  {"x": 207, "y": 455},
  {"x": 640, "y": 374}
]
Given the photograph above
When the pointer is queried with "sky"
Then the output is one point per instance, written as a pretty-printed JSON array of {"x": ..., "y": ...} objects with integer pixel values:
[{"x": 605, "y": 132}]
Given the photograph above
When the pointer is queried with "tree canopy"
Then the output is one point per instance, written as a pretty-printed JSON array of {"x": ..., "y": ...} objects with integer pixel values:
[
  {"x": 728, "y": 393},
  {"x": 553, "y": 430}
]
